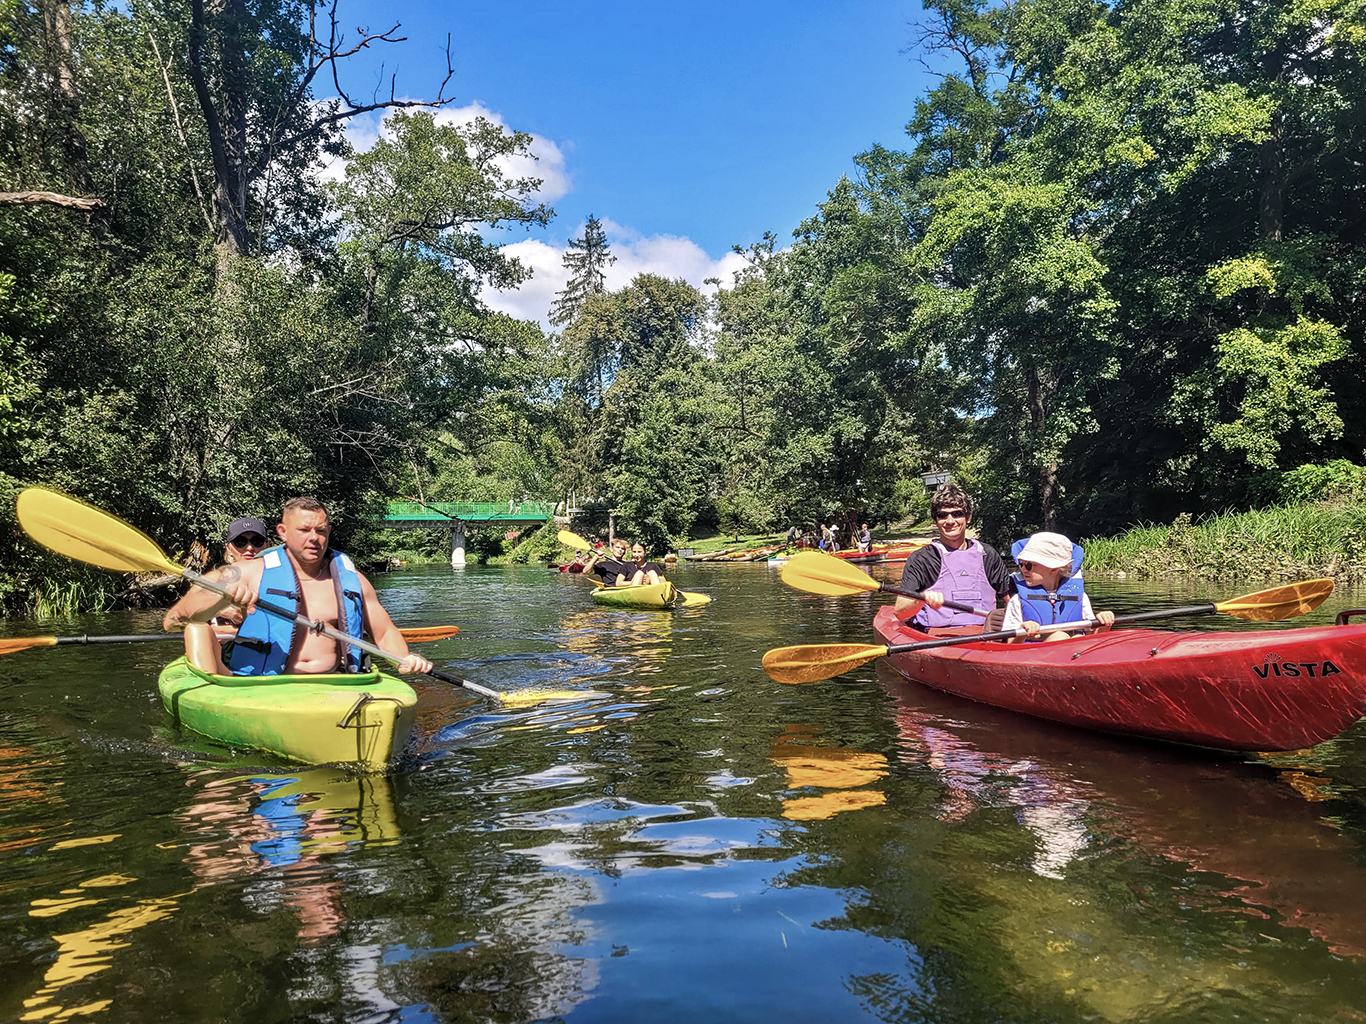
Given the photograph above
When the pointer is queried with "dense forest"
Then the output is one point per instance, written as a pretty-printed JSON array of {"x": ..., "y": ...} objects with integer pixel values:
[{"x": 1114, "y": 274}]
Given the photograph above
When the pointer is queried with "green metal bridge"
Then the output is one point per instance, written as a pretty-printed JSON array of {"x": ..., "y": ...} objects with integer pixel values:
[
  {"x": 458, "y": 516},
  {"x": 437, "y": 513}
]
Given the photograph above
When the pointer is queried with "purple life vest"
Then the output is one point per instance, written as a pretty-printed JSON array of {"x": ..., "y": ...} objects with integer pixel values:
[{"x": 962, "y": 578}]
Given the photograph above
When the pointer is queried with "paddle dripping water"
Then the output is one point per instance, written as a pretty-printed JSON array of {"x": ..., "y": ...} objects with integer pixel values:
[{"x": 684, "y": 843}]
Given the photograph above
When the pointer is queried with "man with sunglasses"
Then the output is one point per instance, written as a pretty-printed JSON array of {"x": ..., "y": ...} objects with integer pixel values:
[
  {"x": 245, "y": 538},
  {"x": 952, "y": 567},
  {"x": 319, "y": 583}
]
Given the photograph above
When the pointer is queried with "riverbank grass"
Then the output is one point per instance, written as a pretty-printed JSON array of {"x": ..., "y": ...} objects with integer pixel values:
[{"x": 1287, "y": 542}]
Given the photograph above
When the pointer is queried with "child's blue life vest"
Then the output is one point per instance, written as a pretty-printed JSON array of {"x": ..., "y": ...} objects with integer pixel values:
[
  {"x": 265, "y": 641},
  {"x": 1044, "y": 607}
]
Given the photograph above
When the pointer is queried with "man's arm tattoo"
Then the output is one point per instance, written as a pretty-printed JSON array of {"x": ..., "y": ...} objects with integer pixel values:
[{"x": 229, "y": 575}]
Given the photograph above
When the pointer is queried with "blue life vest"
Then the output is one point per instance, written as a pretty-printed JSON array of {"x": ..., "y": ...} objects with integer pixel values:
[
  {"x": 1038, "y": 605},
  {"x": 265, "y": 641}
]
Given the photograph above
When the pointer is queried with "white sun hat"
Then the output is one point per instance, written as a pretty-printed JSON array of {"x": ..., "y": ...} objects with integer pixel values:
[{"x": 1048, "y": 549}]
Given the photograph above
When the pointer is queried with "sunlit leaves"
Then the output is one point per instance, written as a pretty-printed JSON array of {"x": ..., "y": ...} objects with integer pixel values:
[{"x": 1276, "y": 371}]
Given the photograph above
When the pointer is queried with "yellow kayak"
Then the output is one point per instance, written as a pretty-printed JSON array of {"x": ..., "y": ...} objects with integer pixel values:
[
  {"x": 648, "y": 595},
  {"x": 364, "y": 718}
]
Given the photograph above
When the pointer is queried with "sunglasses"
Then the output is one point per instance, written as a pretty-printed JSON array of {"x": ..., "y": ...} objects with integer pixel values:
[
  {"x": 248, "y": 540},
  {"x": 950, "y": 513}
]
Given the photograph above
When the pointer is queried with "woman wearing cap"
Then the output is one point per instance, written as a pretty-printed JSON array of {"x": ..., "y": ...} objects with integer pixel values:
[
  {"x": 1049, "y": 589},
  {"x": 952, "y": 566},
  {"x": 245, "y": 538}
]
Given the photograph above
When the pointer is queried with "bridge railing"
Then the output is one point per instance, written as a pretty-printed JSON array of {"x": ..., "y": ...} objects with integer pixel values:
[{"x": 468, "y": 510}]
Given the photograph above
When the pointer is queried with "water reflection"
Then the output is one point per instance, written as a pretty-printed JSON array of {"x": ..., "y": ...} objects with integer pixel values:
[
  {"x": 278, "y": 834},
  {"x": 812, "y": 765},
  {"x": 90, "y": 950},
  {"x": 643, "y": 640},
  {"x": 286, "y": 826},
  {"x": 1211, "y": 864}
]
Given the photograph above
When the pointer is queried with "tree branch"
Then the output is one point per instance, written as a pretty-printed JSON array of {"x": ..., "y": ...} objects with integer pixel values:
[{"x": 51, "y": 199}]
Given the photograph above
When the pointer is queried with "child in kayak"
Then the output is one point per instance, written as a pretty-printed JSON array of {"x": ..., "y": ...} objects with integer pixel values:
[{"x": 1048, "y": 589}]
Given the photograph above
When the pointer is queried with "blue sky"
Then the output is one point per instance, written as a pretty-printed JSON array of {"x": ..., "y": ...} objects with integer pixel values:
[{"x": 688, "y": 128}]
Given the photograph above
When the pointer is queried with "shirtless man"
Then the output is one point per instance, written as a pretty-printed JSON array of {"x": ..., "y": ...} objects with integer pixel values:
[{"x": 327, "y": 588}]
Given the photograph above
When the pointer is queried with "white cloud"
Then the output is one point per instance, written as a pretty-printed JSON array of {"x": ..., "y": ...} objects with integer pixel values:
[
  {"x": 549, "y": 162},
  {"x": 670, "y": 256}
]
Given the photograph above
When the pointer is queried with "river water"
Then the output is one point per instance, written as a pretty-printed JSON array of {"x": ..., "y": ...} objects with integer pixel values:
[{"x": 689, "y": 840}]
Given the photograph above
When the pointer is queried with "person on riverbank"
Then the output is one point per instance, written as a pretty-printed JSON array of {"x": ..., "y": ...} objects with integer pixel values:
[
  {"x": 614, "y": 570},
  {"x": 244, "y": 538},
  {"x": 322, "y": 585},
  {"x": 953, "y": 566},
  {"x": 1049, "y": 589},
  {"x": 865, "y": 540},
  {"x": 644, "y": 572}
]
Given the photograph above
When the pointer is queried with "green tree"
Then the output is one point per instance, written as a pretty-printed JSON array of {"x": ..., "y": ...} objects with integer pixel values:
[{"x": 587, "y": 260}]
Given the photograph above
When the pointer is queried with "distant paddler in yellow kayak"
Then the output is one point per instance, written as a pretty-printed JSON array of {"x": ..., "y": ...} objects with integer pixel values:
[
  {"x": 630, "y": 579},
  {"x": 644, "y": 573},
  {"x": 613, "y": 571},
  {"x": 323, "y": 586}
]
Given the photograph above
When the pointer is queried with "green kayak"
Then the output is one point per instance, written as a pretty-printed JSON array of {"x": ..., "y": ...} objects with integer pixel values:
[
  {"x": 648, "y": 595},
  {"x": 364, "y": 718}
]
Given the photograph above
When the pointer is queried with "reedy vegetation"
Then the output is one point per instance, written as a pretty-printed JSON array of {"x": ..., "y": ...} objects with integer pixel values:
[{"x": 1116, "y": 275}]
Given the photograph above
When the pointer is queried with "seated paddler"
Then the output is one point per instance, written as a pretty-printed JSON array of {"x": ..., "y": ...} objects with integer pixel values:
[
  {"x": 303, "y": 575},
  {"x": 952, "y": 567},
  {"x": 245, "y": 538},
  {"x": 614, "y": 571},
  {"x": 1048, "y": 589}
]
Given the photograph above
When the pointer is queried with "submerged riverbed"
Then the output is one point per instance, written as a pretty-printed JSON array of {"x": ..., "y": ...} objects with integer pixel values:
[{"x": 689, "y": 840}]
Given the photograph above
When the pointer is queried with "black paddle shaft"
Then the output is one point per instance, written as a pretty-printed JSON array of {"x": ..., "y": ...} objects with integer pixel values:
[
  {"x": 1011, "y": 634},
  {"x": 916, "y": 595},
  {"x": 140, "y": 638}
]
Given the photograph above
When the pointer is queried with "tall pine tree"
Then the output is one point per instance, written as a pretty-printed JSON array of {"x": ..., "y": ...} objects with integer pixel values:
[{"x": 587, "y": 259}]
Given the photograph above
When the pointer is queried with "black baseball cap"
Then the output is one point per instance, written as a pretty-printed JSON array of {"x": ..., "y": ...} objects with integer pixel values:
[{"x": 245, "y": 525}]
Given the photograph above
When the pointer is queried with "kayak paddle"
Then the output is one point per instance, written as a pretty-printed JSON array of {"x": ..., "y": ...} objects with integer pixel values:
[
  {"x": 89, "y": 534},
  {"x": 573, "y": 540},
  {"x": 808, "y": 663},
  {"x": 14, "y": 644},
  {"x": 819, "y": 573},
  {"x": 691, "y": 598}
]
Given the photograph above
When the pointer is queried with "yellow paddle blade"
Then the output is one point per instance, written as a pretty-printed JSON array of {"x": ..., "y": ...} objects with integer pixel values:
[
  {"x": 819, "y": 573},
  {"x": 811, "y": 662},
  {"x": 88, "y": 534},
  {"x": 573, "y": 540},
  {"x": 1279, "y": 602},
  {"x": 11, "y": 645},
  {"x": 423, "y": 633},
  {"x": 525, "y": 698},
  {"x": 691, "y": 598}
]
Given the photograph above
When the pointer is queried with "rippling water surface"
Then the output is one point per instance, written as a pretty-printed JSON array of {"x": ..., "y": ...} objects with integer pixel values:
[{"x": 685, "y": 840}]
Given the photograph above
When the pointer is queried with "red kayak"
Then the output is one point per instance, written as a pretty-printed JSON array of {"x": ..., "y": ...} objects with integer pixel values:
[
  {"x": 879, "y": 553},
  {"x": 1281, "y": 689}
]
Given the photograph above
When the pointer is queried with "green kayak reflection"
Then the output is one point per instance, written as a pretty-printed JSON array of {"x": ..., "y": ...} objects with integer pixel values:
[{"x": 286, "y": 828}]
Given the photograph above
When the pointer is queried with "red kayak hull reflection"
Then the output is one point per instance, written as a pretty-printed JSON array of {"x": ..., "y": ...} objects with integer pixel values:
[{"x": 1268, "y": 829}]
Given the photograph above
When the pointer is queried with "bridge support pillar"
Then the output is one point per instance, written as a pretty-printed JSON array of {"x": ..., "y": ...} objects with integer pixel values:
[{"x": 458, "y": 544}]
